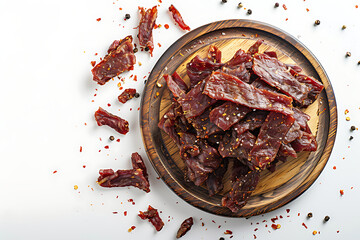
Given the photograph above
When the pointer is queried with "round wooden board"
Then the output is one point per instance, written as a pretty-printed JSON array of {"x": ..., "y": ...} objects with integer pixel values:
[{"x": 291, "y": 178}]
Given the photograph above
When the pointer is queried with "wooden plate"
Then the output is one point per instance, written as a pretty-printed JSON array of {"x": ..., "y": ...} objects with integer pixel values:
[{"x": 290, "y": 179}]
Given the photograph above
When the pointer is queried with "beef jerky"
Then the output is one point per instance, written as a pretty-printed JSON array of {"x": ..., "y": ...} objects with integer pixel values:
[
  {"x": 153, "y": 216},
  {"x": 214, "y": 182},
  {"x": 146, "y": 26},
  {"x": 123, "y": 178},
  {"x": 221, "y": 86},
  {"x": 272, "y": 134},
  {"x": 120, "y": 58},
  {"x": 103, "y": 117}
]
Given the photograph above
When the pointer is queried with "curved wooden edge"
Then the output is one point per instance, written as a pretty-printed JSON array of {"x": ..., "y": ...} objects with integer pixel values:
[{"x": 145, "y": 108}]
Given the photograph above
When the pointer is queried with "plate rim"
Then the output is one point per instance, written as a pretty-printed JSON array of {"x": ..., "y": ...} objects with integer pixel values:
[{"x": 256, "y": 25}]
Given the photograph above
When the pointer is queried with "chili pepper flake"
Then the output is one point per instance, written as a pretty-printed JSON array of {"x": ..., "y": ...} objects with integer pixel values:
[
  {"x": 341, "y": 192},
  {"x": 307, "y": 10},
  {"x": 93, "y": 63},
  {"x": 106, "y": 147},
  {"x": 125, "y": 213},
  {"x": 98, "y": 19},
  {"x": 334, "y": 167},
  {"x": 166, "y": 26},
  {"x": 276, "y": 226},
  {"x": 346, "y": 111},
  {"x": 304, "y": 225},
  {"x": 54, "y": 171},
  {"x": 84, "y": 166},
  {"x": 80, "y": 148},
  {"x": 131, "y": 228},
  {"x": 287, "y": 210},
  {"x": 284, "y": 6},
  {"x": 228, "y": 232}
]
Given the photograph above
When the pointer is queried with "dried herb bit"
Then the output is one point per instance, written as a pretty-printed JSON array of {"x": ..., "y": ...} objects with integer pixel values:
[
  {"x": 327, "y": 218},
  {"x": 276, "y": 5},
  {"x": 351, "y": 138},
  {"x": 348, "y": 54},
  {"x": 317, "y": 22},
  {"x": 153, "y": 216},
  {"x": 240, "y": 5},
  {"x": 223, "y": 1},
  {"x": 249, "y": 11},
  {"x": 185, "y": 227},
  {"x": 353, "y": 128},
  {"x": 343, "y": 27},
  {"x": 127, "y": 16},
  {"x": 137, "y": 95},
  {"x": 126, "y": 95},
  {"x": 310, "y": 215},
  {"x": 103, "y": 117},
  {"x": 111, "y": 138}
]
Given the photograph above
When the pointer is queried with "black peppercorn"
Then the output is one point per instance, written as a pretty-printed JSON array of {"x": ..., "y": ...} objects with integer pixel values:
[
  {"x": 111, "y": 138},
  {"x": 223, "y": 1},
  {"x": 249, "y": 11},
  {"x": 276, "y": 5},
  {"x": 137, "y": 95},
  {"x": 240, "y": 5},
  {"x": 310, "y": 215},
  {"x": 127, "y": 16},
  {"x": 327, "y": 218},
  {"x": 221, "y": 238},
  {"x": 351, "y": 138},
  {"x": 353, "y": 128},
  {"x": 348, "y": 54},
  {"x": 147, "y": 48},
  {"x": 317, "y": 22},
  {"x": 358, "y": 62},
  {"x": 343, "y": 27},
  {"x": 135, "y": 50},
  {"x": 145, "y": 81}
]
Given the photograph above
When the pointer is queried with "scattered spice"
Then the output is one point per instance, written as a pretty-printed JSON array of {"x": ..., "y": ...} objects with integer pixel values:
[
  {"x": 228, "y": 232},
  {"x": 223, "y": 1},
  {"x": 343, "y": 27},
  {"x": 341, "y": 192},
  {"x": 287, "y": 210},
  {"x": 276, "y": 226},
  {"x": 240, "y": 5},
  {"x": 80, "y": 148},
  {"x": 249, "y": 11},
  {"x": 352, "y": 128},
  {"x": 111, "y": 138},
  {"x": 132, "y": 228},
  {"x": 98, "y": 19},
  {"x": 127, "y": 16},
  {"x": 351, "y": 138},
  {"x": 348, "y": 54},
  {"x": 327, "y": 218},
  {"x": 125, "y": 213},
  {"x": 310, "y": 215},
  {"x": 93, "y": 63},
  {"x": 304, "y": 225},
  {"x": 54, "y": 171},
  {"x": 106, "y": 147},
  {"x": 276, "y": 5},
  {"x": 317, "y": 22}
]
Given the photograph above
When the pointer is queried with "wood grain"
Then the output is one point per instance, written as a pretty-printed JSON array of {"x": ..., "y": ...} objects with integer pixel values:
[{"x": 291, "y": 178}]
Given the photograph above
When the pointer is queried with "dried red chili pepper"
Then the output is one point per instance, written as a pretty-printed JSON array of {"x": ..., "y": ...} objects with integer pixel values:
[
  {"x": 185, "y": 227},
  {"x": 178, "y": 18},
  {"x": 103, "y": 117}
]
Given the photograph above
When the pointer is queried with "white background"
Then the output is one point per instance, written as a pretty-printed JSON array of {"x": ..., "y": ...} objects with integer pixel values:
[{"x": 46, "y": 99}]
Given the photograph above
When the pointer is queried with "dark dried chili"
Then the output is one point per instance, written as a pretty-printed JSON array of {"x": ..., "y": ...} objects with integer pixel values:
[{"x": 185, "y": 227}]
